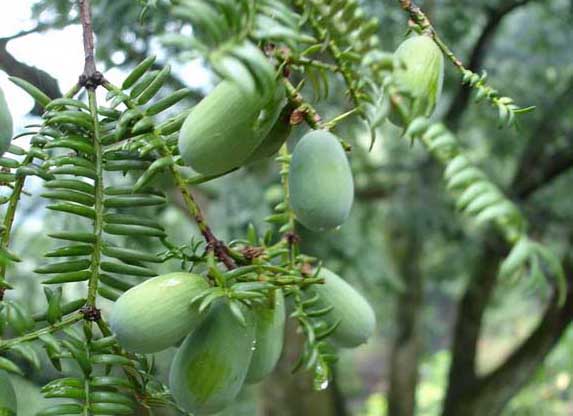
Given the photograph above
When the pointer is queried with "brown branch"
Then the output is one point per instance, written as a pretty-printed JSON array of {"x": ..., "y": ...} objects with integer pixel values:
[
  {"x": 494, "y": 19},
  {"x": 490, "y": 393},
  {"x": 406, "y": 346},
  {"x": 39, "y": 28},
  {"x": 88, "y": 37},
  {"x": 537, "y": 166},
  {"x": 462, "y": 375},
  {"x": 464, "y": 384}
]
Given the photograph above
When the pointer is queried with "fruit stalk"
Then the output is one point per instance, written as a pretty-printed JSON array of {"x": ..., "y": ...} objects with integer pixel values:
[
  {"x": 213, "y": 243},
  {"x": 419, "y": 18}
]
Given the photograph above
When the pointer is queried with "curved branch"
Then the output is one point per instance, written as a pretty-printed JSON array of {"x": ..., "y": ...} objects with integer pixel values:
[
  {"x": 490, "y": 393},
  {"x": 37, "y": 77},
  {"x": 494, "y": 19}
]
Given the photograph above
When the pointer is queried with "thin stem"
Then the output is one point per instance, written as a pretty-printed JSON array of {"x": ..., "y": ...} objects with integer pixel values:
[
  {"x": 341, "y": 63},
  {"x": 213, "y": 243},
  {"x": 89, "y": 76},
  {"x": 98, "y": 207},
  {"x": 284, "y": 172},
  {"x": 88, "y": 37},
  {"x": 11, "y": 212},
  {"x": 418, "y": 17},
  {"x": 69, "y": 320},
  {"x": 218, "y": 247},
  {"x": 309, "y": 113}
]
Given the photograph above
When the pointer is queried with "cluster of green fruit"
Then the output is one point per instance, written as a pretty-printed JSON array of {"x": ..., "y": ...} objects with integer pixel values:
[
  {"x": 219, "y": 354},
  {"x": 230, "y": 128}
]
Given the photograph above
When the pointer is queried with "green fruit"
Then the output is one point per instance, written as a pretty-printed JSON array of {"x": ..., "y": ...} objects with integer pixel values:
[
  {"x": 275, "y": 138},
  {"x": 225, "y": 128},
  {"x": 210, "y": 367},
  {"x": 270, "y": 328},
  {"x": 356, "y": 316},
  {"x": 421, "y": 78},
  {"x": 320, "y": 181},
  {"x": 8, "y": 406},
  {"x": 6, "y": 127},
  {"x": 156, "y": 314}
]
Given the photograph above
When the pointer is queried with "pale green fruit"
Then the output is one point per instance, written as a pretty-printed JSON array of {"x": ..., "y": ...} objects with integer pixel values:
[
  {"x": 8, "y": 405},
  {"x": 356, "y": 316},
  {"x": 421, "y": 78},
  {"x": 210, "y": 367},
  {"x": 320, "y": 182},
  {"x": 6, "y": 126},
  {"x": 270, "y": 330},
  {"x": 227, "y": 126},
  {"x": 156, "y": 314}
]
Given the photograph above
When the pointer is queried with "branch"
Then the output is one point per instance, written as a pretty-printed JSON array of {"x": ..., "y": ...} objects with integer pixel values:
[
  {"x": 373, "y": 192},
  {"x": 517, "y": 370},
  {"x": 533, "y": 173},
  {"x": 507, "y": 109},
  {"x": 37, "y": 77},
  {"x": 536, "y": 167},
  {"x": 490, "y": 393},
  {"x": 69, "y": 320},
  {"x": 41, "y": 27},
  {"x": 88, "y": 37},
  {"x": 462, "y": 375},
  {"x": 477, "y": 55}
]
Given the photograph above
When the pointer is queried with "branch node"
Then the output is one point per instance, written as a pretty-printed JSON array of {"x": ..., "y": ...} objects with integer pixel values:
[
  {"x": 91, "y": 313},
  {"x": 91, "y": 82}
]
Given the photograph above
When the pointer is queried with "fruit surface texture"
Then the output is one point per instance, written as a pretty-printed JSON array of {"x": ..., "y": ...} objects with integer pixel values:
[
  {"x": 356, "y": 316},
  {"x": 421, "y": 77},
  {"x": 156, "y": 314},
  {"x": 320, "y": 182},
  {"x": 224, "y": 129},
  {"x": 269, "y": 337},
  {"x": 211, "y": 365}
]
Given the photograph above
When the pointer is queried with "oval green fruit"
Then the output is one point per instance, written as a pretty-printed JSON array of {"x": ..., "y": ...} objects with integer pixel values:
[
  {"x": 210, "y": 366},
  {"x": 224, "y": 129},
  {"x": 275, "y": 138},
  {"x": 356, "y": 316},
  {"x": 269, "y": 337},
  {"x": 156, "y": 314},
  {"x": 8, "y": 405},
  {"x": 320, "y": 181},
  {"x": 421, "y": 77},
  {"x": 6, "y": 126}
]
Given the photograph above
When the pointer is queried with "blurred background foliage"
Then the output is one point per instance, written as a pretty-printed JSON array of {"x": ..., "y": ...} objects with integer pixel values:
[{"x": 405, "y": 246}]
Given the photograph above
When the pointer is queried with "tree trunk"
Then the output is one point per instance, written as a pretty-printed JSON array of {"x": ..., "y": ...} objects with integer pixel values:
[
  {"x": 287, "y": 394},
  {"x": 406, "y": 348},
  {"x": 491, "y": 393}
]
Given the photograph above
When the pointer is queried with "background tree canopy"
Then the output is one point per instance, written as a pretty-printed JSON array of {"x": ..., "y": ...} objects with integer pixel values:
[{"x": 453, "y": 338}]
